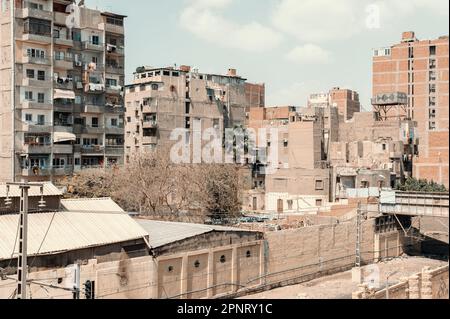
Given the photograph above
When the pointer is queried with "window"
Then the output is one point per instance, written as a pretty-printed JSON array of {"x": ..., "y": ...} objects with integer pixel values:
[
  {"x": 433, "y": 50},
  {"x": 29, "y": 117},
  {"x": 41, "y": 75},
  {"x": 95, "y": 39},
  {"x": 41, "y": 97},
  {"x": 30, "y": 74},
  {"x": 319, "y": 202},
  {"x": 384, "y": 147},
  {"x": 41, "y": 120},
  {"x": 319, "y": 185},
  {"x": 114, "y": 122},
  {"x": 155, "y": 87},
  {"x": 95, "y": 122},
  {"x": 286, "y": 143},
  {"x": 290, "y": 204},
  {"x": 111, "y": 82},
  {"x": 432, "y": 88},
  {"x": 29, "y": 95},
  {"x": 166, "y": 73},
  {"x": 432, "y": 125},
  {"x": 128, "y": 119}
]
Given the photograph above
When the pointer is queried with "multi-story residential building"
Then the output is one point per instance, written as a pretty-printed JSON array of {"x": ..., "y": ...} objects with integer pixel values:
[
  {"x": 418, "y": 70},
  {"x": 61, "y": 102},
  {"x": 164, "y": 99},
  {"x": 346, "y": 101}
]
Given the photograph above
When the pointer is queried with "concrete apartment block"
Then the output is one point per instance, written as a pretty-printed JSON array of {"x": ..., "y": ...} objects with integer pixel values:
[
  {"x": 419, "y": 69},
  {"x": 61, "y": 105},
  {"x": 164, "y": 99},
  {"x": 346, "y": 101}
]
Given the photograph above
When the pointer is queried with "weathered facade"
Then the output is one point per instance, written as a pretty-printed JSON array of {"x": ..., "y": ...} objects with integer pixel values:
[
  {"x": 61, "y": 105},
  {"x": 419, "y": 70}
]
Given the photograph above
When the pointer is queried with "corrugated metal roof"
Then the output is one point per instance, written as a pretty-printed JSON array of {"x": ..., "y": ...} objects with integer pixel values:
[
  {"x": 91, "y": 205},
  {"x": 163, "y": 233},
  {"x": 68, "y": 231},
  {"x": 14, "y": 191}
]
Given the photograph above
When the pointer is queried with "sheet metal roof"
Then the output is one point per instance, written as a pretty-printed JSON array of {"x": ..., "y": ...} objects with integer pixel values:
[
  {"x": 91, "y": 205},
  {"x": 14, "y": 191},
  {"x": 68, "y": 231},
  {"x": 163, "y": 233}
]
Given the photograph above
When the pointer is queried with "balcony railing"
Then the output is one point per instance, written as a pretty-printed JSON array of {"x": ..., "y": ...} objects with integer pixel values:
[
  {"x": 95, "y": 88},
  {"x": 28, "y": 12},
  {"x": 36, "y": 148},
  {"x": 91, "y": 46},
  {"x": 115, "y": 69},
  {"x": 93, "y": 129},
  {"x": 35, "y": 171},
  {"x": 27, "y": 59},
  {"x": 61, "y": 83},
  {"x": 150, "y": 124},
  {"x": 93, "y": 149},
  {"x": 64, "y": 63},
  {"x": 114, "y": 49},
  {"x": 150, "y": 140},
  {"x": 44, "y": 82},
  {"x": 115, "y": 150},
  {"x": 33, "y": 104}
]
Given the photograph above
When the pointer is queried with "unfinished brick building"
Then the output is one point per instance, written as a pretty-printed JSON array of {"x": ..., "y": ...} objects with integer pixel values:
[{"x": 419, "y": 69}]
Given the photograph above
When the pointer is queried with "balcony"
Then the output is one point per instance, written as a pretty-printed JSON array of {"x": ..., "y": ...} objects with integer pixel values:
[
  {"x": 63, "y": 107},
  {"x": 64, "y": 84},
  {"x": 95, "y": 88},
  {"x": 35, "y": 105},
  {"x": 114, "y": 150},
  {"x": 149, "y": 140},
  {"x": 90, "y": 129},
  {"x": 115, "y": 69},
  {"x": 62, "y": 149},
  {"x": 152, "y": 124},
  {"x": 94, "y": 108},
  {"x": 93, "y": 67},
  {"x": 115, "y": 130},
  {"x": 62, "y": 170},
  {"x": 44, "y": 38},
  {"x": 64, "y": 64},
  {"x": 113, "y": 89},
  {"x": 114, "y": 109},
  {"x": 149, "y": 109},
  {"x": 33, "y": 127},
  {"x": 36, "y": 149},
  {"x": 93, "y": 150},
  {"x": 113, "y": 28},
  {"x": 60, "y": 18},
  {"x": 63, "y": 127},
  {"x": 36, "y": 171},
  {"x": 26, "y": 13},
  {"x": 26, "y": 59},
  {"x": 45, "y": 83},
  {"x": 66, "y": 42},
  {"x": 115, "y": 50},
  {"x": 90, "y": 46}
]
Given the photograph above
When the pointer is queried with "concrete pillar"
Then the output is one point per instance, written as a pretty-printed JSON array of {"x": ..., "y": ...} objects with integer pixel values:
[
  {"x": 184, "y": 276},
  {"x": 235, "y": 269},
  {"x": 210, "y": 278},
  {"x": 414, "y": 289},
  {"x": 427, "y": 286},
  {"x": 357, "y": 275},
  {"x": 262, "y": 263},
  {"x": 154, "y": 293}
]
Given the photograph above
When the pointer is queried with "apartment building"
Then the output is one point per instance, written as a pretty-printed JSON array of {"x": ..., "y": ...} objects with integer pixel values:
[
  {"x": 164, "y": 99},
  {"x": 61, "y": 102},
  {"x": 346, "y": 101},
  {"x": 417, "y": 71}
]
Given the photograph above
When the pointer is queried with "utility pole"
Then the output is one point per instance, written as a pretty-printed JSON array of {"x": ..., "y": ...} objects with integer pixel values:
[
  {"x": 358, "y": 235},
  {"x": 22, "y": 268}
]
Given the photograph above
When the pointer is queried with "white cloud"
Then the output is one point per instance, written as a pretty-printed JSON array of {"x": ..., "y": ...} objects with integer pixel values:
[
  {"x": 295, "y": 94},
  {"x": 317, "y": 21},
  {"x": 202, "y": 19},
  {"x": 309, "y": 54}
]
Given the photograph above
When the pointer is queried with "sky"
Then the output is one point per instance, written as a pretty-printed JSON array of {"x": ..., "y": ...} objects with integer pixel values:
[{"x": 295, "y": 47}]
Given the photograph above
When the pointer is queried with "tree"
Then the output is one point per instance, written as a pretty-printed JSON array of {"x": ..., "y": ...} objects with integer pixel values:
[
  {"x": 421, "y": 185},
  {"x": 154, "y": 186}
]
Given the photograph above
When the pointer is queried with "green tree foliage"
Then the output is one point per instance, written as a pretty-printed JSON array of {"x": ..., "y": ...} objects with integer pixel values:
[{"x": 421, "y": 185}]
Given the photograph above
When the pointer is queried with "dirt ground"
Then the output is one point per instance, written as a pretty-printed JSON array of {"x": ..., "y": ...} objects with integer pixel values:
[{"x": 340, "y": 286}]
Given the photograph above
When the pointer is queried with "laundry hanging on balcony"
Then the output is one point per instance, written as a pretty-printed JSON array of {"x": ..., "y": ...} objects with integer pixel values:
[
  {"x": 60, "y": 137},
  {"x": 64, "y": 94}
]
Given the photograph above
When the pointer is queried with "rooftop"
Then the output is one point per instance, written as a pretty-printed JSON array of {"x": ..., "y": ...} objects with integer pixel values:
[
  {"x": 67, "y": 231},
  {"x": 92, "y": 205},
  {"x": 164, "y": 233},
  {"x": 14, "y": 190}
]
